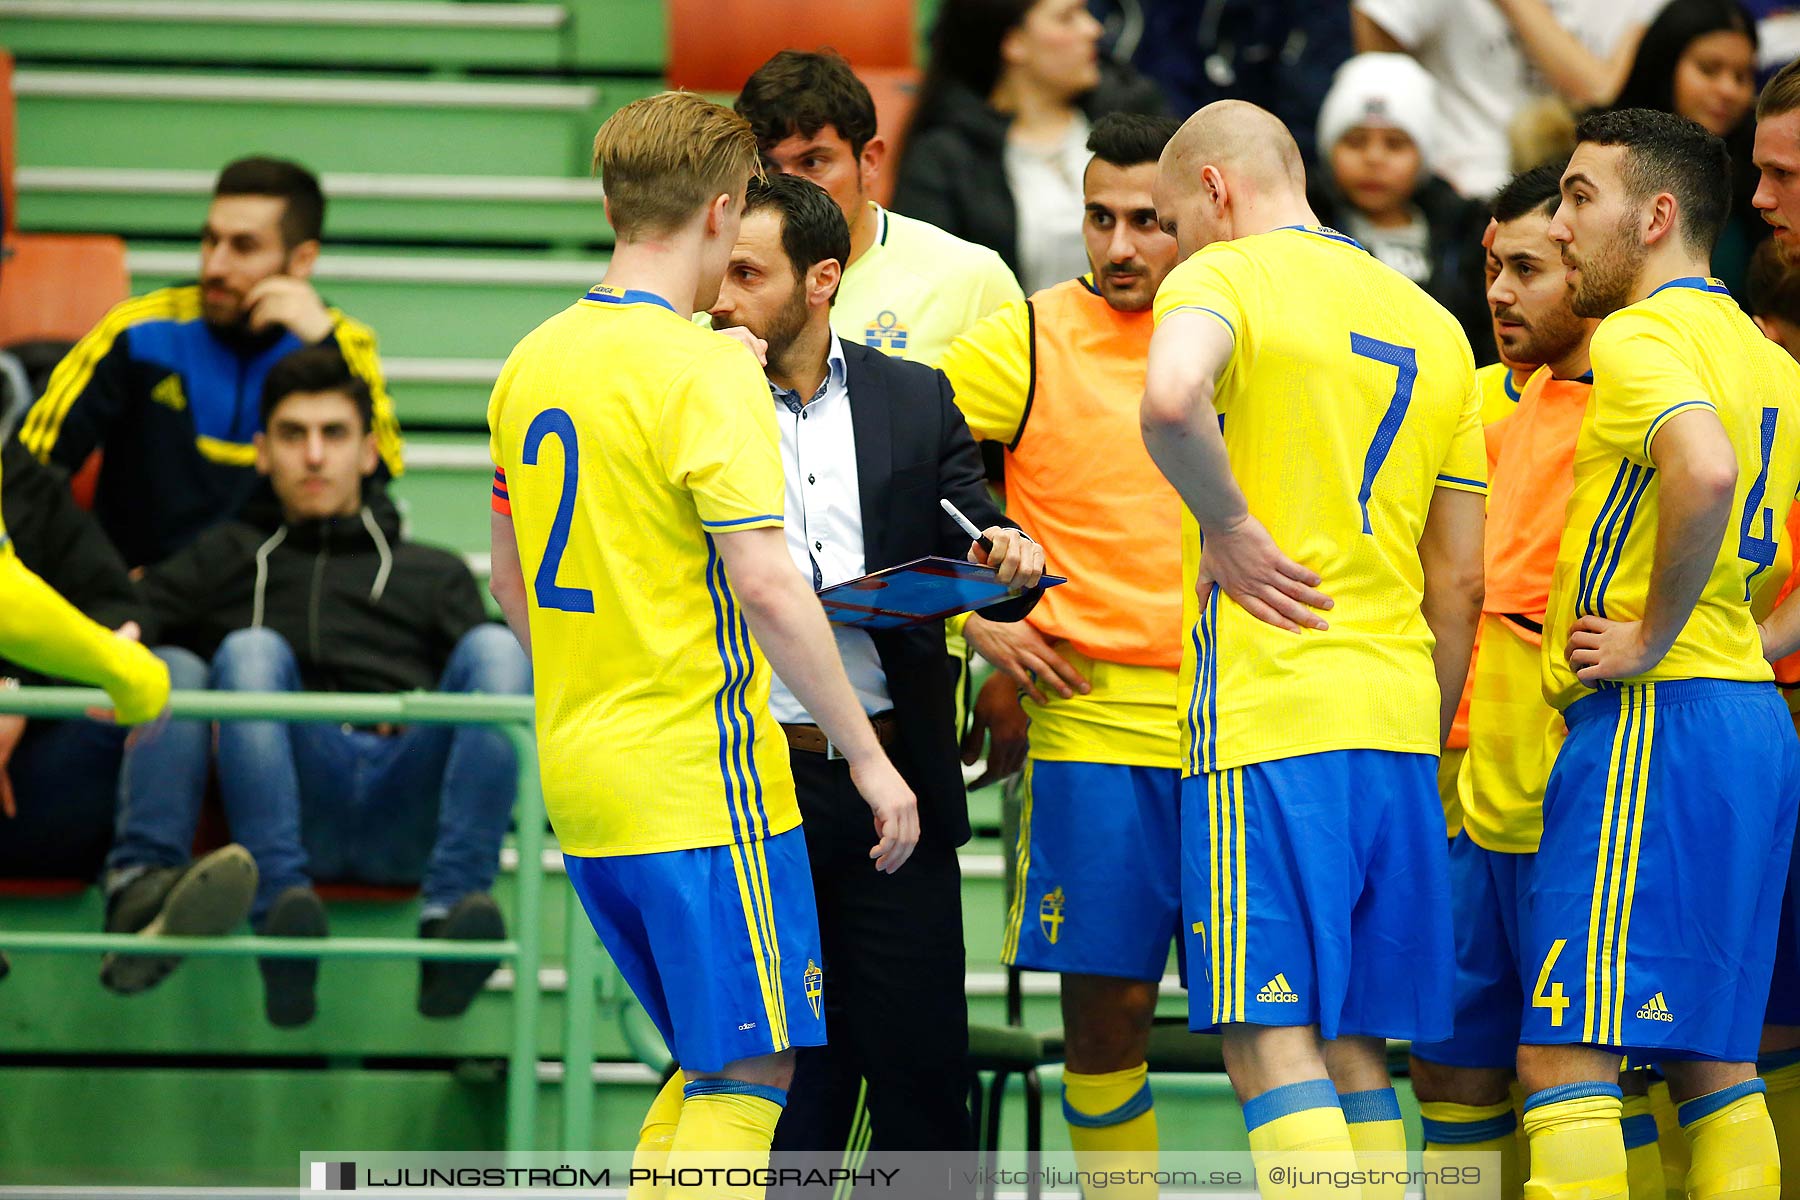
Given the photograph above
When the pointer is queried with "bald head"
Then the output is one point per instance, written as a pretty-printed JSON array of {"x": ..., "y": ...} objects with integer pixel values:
[
  {"x": 1243, "y": 141},
  {"x": 1226, "y": 159}
]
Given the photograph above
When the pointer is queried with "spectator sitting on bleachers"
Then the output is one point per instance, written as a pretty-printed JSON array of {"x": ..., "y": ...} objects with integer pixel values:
[
  {"x": 998, "y": 143},
  {"x": 319, "y": 593},
  {"x": 1377, "y": 139},
  {"x": 166, "y": 385}
]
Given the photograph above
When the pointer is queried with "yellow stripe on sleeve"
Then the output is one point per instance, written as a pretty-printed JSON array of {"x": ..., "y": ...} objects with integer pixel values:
[
  {"x": 356, "y": 342},
  {"x": 72, "y": 375}
]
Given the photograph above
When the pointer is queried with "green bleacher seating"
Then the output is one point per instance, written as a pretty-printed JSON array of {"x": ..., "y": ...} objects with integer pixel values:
[
  {"x": 618, "y": 35},
  {"x": 369, "y": 124},
  {"x": 157, "y": 203}
]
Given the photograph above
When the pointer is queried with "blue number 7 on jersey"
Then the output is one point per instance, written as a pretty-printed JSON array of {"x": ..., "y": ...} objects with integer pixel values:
[{"x": 1406, "y": 363}]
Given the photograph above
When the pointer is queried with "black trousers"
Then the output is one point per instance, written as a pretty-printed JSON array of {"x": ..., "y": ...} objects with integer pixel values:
[{"x": 895, "y": 1010}]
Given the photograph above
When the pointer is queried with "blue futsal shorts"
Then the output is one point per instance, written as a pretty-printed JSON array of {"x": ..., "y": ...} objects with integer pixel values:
[
  {"x": 1098, "y": 889},
  {"x": 1651, "y": 920},
  {"x": 1315, "y": 891},
  {"x": 1487, "y": 895},
  {"x": 719, "y": 944}
]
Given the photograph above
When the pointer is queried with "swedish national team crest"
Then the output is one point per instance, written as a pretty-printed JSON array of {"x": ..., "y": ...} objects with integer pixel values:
[
  {"x": 886, "y": 334},
  {"x": 1050, "y": 914},
  {"x": 815, "y": 985}
]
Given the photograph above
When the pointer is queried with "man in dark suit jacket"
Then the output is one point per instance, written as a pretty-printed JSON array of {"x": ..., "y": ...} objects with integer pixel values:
[{"x": 870, "y": 444}]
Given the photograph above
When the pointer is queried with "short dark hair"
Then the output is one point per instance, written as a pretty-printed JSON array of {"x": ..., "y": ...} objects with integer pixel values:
[
  {"x": 1772, "y": 288},
  {"x": 1538, "y": 190},
  {"x": 1127, "y": 139},
  {"x": 1667, "y": 153},
  {"x": 812, "y": 225},
  {"x": 800, "y": 92},
  {"x": 315, "y": 369},
  {"x": 303, "y": 220}
]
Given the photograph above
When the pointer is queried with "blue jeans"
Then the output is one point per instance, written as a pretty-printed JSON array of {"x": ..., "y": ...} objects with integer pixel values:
[{"x": 318, "y": 801}]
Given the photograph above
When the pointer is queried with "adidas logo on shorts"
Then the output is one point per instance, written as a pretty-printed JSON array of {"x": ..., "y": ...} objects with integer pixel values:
[
  {"x": 1277, "y": 991},
  {"x": 1656, "y": 1010}
]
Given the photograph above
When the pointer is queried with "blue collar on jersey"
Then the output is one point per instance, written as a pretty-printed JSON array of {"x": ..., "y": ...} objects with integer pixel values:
[
  {"x": 601, "y": 294},
  {"x": 1699, "y": 283},
  {"x": 1325, "y": 232}
]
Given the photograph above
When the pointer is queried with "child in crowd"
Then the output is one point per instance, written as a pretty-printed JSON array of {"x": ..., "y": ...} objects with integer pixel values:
[{"x": 1376, "y": 141}]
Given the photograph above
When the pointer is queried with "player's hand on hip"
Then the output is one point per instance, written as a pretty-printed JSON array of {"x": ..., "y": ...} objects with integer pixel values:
[
  {"x": 1247, "y": 564},
  {"x": 1599, "y": 649},
  {"x": 1021, "y": 652},
  {"x": 1000, "y": 719},
  {"x": 895, "y": 808},
  {"x": 1018, "y": 561},
  {"x": 292, "y": 303}
]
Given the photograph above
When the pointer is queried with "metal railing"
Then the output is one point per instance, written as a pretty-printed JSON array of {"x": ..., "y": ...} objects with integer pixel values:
[{"x": 514, "y": 716}]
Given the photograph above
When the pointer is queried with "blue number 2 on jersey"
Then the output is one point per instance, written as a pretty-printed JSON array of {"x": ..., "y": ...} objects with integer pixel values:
[
  {"x": 551, "y": 594},
  {"x": 1406, "y": 364},
  {"x": 1753, "y": 548}
]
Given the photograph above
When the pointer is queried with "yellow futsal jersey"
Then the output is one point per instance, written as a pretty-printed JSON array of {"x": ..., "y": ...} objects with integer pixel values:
[
  {"x": 1058, "y": 380},
  {"x": 916, "y": 288},
  {"x": 623, "y": 438},
  {"x": 1349, "y": 398},
  {"x": 1686, "y": 346}
]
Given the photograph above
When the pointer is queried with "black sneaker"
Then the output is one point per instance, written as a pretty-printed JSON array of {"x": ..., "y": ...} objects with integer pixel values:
[
  {"x": 207, "y": 898},
  {"x": 288, "y": 983},
  {"x": 446, "y": 989}
]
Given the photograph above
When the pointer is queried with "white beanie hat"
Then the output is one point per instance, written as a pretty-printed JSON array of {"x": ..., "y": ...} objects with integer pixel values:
[{"x": 1381, "y": 89}]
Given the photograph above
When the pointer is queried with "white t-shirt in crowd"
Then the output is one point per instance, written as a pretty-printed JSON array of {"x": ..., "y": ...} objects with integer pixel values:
[
  {"x": 1047, "y": 198},
  {"x": 1483, "y": 74},
  {"x": 1406, "y": 248}
]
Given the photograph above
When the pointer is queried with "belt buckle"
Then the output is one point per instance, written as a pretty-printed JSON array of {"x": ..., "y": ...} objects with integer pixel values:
[{"x": 831, "y": 751}]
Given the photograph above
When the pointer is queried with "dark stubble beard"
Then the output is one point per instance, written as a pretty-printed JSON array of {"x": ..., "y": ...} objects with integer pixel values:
[
  {"x": 786, "y": 325},
  {"x": 1553, "y": 338},
  {"x": 1610, "y": 272}
]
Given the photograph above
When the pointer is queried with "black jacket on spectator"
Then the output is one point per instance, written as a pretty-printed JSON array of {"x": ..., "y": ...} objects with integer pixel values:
[
  {"x": 953, "y": 171},
  {"x": 1454, "y": 228},
  {"x": 362, "y": 610},
  {"x": 913, "y": 448},
  {"x": 64, "y": 546}
]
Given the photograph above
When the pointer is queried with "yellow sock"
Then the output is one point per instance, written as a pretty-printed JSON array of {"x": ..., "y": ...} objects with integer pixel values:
[
  {"x": 1112, "y": 1127},
  {"x": 1781, "y": 1071},
  {"x": 1379, "y": 1138},
  {"x": 1643, "y": 1156},
  {"x": 1296, "y": 1131},
  {"x": 724, "y": 1125},
  {"x": 655, "y": 1136},
  {"x": 1733, "y": 1145},
  {"x": 1577, "y": 1148},
  {"x": 1455, "y": 1130},
  {"x": 1670, "y": 1141}
]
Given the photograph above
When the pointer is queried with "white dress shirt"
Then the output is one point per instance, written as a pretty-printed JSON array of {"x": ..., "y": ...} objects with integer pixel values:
[{"x": 824, "y": 522}]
